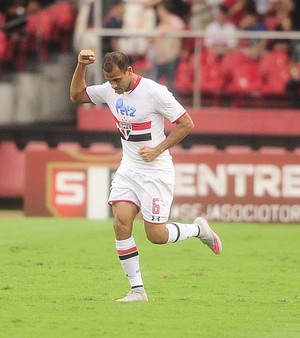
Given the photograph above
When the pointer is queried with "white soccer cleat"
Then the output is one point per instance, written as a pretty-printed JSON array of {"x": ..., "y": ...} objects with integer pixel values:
[
  {"x": 207, "y": 236},
  {"x": 134, "y": 295}
]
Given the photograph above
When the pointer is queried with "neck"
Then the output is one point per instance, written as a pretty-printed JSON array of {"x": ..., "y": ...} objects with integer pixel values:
[{"x": 133, "y": 80}]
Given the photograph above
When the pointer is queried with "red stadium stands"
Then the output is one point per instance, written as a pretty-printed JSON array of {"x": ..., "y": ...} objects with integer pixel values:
[
  {"x": 245, "y": 80},
  {"x": 52, "y": 25},
  {"x": 274, "y": 73},
  {"x": 230, "y": 62},
  {"x": 38, "y": 32},
  {"x": 184, "y": 77},
  {"x": 3, "y": 46},
  {"x": 62, "y": 16}
]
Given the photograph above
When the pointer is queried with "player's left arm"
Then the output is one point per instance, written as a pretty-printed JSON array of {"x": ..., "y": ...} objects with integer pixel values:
[{"x": 182, "y": 128}]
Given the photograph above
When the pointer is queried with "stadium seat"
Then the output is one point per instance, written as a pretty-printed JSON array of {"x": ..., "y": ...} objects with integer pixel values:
[
  {"x": 38, "y": 31},
  {"x": 208, "y": 57},
  {"x": 232, "y": 60},
  {"x": 3, "y": 46},
  {"x": 211, "y": 79},
  {"x": 62, "y": 16},
  {"x": 183, "y": 81},
  {"x": 274, "y": 72},
  {"x": 244, "y": 81}
]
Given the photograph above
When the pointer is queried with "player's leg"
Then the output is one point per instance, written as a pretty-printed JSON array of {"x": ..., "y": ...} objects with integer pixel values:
[
  {"x": 124, "y": 215},
  {"x": 156, "y": 201},
  {"x": 177, "y": 232}
]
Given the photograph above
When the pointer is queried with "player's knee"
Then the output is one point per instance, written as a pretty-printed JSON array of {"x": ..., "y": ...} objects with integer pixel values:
[
  {"x": 121, "y": 228},
  {"x": 156, "y": 238}
]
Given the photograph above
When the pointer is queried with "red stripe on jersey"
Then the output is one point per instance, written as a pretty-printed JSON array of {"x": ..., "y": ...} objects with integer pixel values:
[
  {"x": 127, "y": 251},
  {"x": 136, "y": 126},
  {"x": 141, "y": 126}
]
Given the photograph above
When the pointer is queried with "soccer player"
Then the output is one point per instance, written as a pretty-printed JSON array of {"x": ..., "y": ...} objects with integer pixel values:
[{"x": 145, "y": 178}]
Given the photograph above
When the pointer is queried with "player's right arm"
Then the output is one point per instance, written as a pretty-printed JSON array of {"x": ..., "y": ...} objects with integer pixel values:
[{"x": 78, "y": 84}]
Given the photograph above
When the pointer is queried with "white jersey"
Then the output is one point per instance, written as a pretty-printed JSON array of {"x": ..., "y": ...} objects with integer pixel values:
[{"x": 139, "y": 116}]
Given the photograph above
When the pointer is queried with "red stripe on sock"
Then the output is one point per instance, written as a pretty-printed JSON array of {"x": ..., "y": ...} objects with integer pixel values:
[{"x": 127, "y": 251}]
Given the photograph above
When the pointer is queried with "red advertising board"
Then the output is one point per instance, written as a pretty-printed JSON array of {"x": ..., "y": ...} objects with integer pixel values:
[
  {"x": 222, "y": 186},
  {"x": 68, "y": 183},
  {"x": 252, "y": 187}
]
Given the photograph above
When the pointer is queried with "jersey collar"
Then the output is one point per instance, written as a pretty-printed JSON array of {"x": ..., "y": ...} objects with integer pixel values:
[{"x": 138, "y": 80}]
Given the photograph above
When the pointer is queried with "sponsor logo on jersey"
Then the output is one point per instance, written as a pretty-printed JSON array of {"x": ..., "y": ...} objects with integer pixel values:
[
  {"x": 134, "y": 132},
  {"x": 124, "y": 110}
]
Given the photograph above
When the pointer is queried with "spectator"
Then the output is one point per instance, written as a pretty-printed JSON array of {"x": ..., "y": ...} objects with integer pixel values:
[
  {"x": 295, "y": 15},
  {"x": 282, "y": 10},
  {"x": 201, "y": 12},
  {"x": 252, "y": 22},
  {"x": 138, "y": 15},
  {"x": 182, "y": 9},
  {"x": 165, "y": 52},
  {"x": 219, "y": 34},
  {"x": 236, "y": 9},
  {"x": 33, "y": 6},
  {"x": 262, "y": 7},
  {"x": 292, "y": 88},
  {"x": 113, "y": 19}
]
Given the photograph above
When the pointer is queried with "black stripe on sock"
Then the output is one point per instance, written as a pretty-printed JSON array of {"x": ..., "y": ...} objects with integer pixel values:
[
  {"x": 133, "y": 254},
  {"x": 198, "y": 235},
  {"x": 137, "y": 286},
  {"x": 178, "y": 232}
]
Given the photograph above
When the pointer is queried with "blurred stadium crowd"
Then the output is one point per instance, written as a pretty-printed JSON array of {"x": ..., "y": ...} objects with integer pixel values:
[
  {"x": 40, "y": 39},
  {"x": 236, "y": 68}
]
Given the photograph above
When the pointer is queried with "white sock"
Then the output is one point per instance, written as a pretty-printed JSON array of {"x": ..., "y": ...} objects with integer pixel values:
[
  {"x": 180, "y": 232},
  {"x": 129, "y": 258}
]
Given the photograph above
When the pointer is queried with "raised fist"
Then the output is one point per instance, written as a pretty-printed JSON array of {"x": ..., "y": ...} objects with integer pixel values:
[{"x": 86, "y": 56}]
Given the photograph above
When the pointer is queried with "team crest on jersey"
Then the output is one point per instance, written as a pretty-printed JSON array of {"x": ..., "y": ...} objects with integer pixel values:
[
  {"x": 128, "y": 129},
  {"x": 125, "y": 129}
]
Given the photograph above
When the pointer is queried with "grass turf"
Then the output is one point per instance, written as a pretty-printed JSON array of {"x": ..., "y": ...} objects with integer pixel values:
[{"x": 60, "y": 278}]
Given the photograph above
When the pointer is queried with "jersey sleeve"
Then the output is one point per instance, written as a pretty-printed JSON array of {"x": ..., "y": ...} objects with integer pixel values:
[
  {"x": 97, "y": 93},
  {"x": 167, "y": 105}
]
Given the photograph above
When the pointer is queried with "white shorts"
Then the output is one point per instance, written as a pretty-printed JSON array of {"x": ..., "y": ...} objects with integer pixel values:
[{"x": 153, "y": 196}]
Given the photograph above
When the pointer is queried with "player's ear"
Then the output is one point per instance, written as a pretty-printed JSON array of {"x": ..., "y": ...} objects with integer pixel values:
[{"x": 129, "y": 70}]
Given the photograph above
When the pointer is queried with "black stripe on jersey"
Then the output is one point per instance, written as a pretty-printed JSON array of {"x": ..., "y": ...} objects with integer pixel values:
[
  {"x": 137, "y": 138},
  {"x": 133, "y": 254}
]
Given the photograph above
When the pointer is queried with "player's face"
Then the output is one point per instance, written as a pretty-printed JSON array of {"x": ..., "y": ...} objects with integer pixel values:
[{"x": 119, "y": 80}]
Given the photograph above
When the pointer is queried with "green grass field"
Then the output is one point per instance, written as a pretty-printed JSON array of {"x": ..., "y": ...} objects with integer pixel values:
[{"x": 60, "y": 278}]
